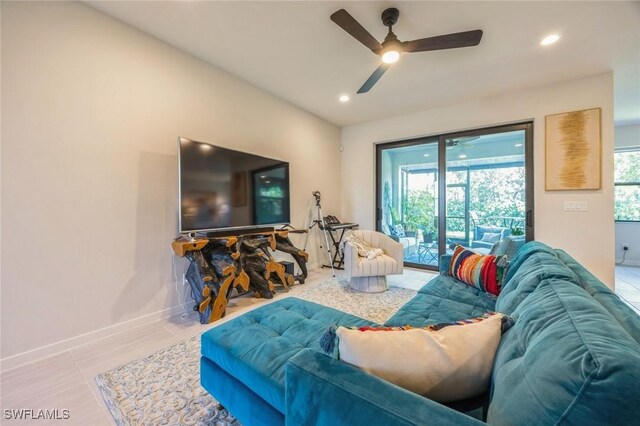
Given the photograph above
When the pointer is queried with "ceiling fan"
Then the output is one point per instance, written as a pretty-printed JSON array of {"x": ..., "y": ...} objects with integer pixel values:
[
  {"x": 391, "y": 48},
  {"x": 462, "y": 141}
]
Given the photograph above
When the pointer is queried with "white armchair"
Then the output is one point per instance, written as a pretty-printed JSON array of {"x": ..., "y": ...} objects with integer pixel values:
[{"x": 369, "y": 275}]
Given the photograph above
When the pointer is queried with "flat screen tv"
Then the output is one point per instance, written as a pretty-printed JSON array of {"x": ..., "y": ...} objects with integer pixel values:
[{"x": 221, "y": 188}]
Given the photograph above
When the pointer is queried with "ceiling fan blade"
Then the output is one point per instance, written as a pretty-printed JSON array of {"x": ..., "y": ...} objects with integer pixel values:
[
  {"x": 374, "y": 78},
  {"x": 353, "y": 27},
  {"x": 448, "y": 41}
]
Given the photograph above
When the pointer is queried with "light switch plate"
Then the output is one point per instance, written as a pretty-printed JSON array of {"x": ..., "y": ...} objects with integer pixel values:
[{"x": 576, "y": 206}]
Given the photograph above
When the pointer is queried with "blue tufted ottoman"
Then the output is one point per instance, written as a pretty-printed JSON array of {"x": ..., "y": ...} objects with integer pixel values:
[{"x": 243, "y": 360}]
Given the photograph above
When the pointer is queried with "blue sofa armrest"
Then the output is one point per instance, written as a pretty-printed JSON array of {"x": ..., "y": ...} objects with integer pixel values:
[
  {"x": 320, "y": 390},
  {"x": 443, "y": 265}
]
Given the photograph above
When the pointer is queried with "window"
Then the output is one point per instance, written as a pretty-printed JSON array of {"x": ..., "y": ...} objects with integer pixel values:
[{"x": 627, "y": 184}]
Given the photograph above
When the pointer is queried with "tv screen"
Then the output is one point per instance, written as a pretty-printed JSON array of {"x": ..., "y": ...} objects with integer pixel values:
[{"x": 222, "y": 188}]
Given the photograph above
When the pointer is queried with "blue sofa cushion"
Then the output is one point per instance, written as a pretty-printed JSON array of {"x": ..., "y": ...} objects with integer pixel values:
[
  {"x": 540, "y": 265},
  {"x": 523, "y": 254},
  {"x": 248, "y": 407},
  {"x": 625, "y": 316},
  {"x": 565, "y": 361},
  {"x": 255, "y": 347},
  {"x": 443, "y": 299}
]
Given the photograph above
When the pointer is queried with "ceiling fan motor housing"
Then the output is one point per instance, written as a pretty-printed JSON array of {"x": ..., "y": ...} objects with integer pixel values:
[
  {"x": 391, "y": 42},
  {"x": 390, "y": 16}
]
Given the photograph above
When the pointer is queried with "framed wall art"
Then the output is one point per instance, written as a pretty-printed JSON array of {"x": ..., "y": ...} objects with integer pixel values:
[{"x": 573, "y": 150}]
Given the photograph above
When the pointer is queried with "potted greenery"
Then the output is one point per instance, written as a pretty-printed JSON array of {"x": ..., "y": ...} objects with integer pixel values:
[
  {"x": 419, "y": 213},
  {"x": 517, "y": 231}
]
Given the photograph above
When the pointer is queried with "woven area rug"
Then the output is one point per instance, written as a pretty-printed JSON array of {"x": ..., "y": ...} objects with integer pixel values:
[{"x": 164, "y": 388}]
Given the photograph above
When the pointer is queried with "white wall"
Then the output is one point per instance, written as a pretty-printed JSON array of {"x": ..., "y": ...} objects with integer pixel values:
[
  {"x": 91, "y": 110},
  {"x": 628, "y": 136},
  {"x": 628, "y": 233},
  {"x": 588, "y": 236}
]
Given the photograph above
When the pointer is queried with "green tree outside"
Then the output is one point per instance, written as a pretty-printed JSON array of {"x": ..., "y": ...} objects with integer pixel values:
[
  {"x": 627, "y": 197},
  {"x": 494, "y": 194}
]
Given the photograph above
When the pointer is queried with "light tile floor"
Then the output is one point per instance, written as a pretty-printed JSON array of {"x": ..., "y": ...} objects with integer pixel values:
[
  {"x": 66, "y": 380},
  {"x": 628, "y": 285}
]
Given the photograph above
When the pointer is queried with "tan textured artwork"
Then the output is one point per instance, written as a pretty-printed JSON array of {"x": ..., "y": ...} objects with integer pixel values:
[{"x": 572, "y": 150}]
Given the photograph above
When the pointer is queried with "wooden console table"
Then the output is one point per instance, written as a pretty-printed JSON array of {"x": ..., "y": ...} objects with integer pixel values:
[{"x": 218, "y": 264}]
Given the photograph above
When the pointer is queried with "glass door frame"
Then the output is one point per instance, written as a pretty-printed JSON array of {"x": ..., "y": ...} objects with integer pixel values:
[
  {"x": 379, "y": 192},
  {"x": 440, "y": 139}
]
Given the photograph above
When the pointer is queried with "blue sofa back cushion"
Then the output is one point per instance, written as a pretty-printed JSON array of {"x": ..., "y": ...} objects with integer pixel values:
[
  {"x": 627, "y": 318},
  {"x": 443, "y": 299},
  {"x": 255, "y": 347},
  {"x": 540, "y": 265},
  {"x": 523, "y": 254},
  {"x": 566, "y": 360}
]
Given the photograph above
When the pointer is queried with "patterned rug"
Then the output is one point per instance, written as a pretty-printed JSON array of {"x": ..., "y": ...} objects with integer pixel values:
[{"x": 164, "y": 388}]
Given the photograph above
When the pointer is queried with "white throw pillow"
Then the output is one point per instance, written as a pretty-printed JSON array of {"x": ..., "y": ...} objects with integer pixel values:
[{"x": 450, "y": 364}]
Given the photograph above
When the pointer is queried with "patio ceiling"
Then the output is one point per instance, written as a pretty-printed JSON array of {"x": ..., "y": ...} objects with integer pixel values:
[{"x": 491, "y": 149}]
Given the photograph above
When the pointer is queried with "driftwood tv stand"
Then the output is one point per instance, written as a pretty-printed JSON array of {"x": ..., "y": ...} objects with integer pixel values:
[{"x": 244, "y": 261}]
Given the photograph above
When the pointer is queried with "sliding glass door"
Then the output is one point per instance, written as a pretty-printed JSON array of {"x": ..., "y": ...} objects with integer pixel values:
[
  {"x": 485, "y": 177},
  {"x": 408, "y": 176}
]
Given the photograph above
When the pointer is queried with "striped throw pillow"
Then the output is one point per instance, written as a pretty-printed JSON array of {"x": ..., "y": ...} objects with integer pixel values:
[{"x": 484, "y": 272}]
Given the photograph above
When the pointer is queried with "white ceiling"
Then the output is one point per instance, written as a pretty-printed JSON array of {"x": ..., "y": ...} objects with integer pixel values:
[{"x": 293, "y": 50}]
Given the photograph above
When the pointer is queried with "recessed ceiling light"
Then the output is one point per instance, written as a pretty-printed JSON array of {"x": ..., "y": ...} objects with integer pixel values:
[
  {"x": 344, "y": 98},
  {"x": 426, "y": 155},
  {"x": 518, "y": 144},
  {"x": 550, "y": 39},
  {"x": 462, "y": 156}
]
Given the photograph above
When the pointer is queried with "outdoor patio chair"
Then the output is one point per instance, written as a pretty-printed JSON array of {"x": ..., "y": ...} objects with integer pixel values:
[{"x": 487, "y": 236}]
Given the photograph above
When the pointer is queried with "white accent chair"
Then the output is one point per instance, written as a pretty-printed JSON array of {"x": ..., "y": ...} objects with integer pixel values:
[{"x": 370, "y": 275}]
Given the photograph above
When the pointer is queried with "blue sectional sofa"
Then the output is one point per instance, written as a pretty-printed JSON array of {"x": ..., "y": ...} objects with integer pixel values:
[{"x": 572, "y": 357}]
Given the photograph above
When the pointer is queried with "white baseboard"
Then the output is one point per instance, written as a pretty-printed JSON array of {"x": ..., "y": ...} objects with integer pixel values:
[
  {"x": 36, "y": 354},
  {"x": 628, "y": 262}
]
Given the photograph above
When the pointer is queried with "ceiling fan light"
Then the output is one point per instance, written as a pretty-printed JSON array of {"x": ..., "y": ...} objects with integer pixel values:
[
  {"x": 550, "y": 39},
  {"x": 390, "y": 56}
]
